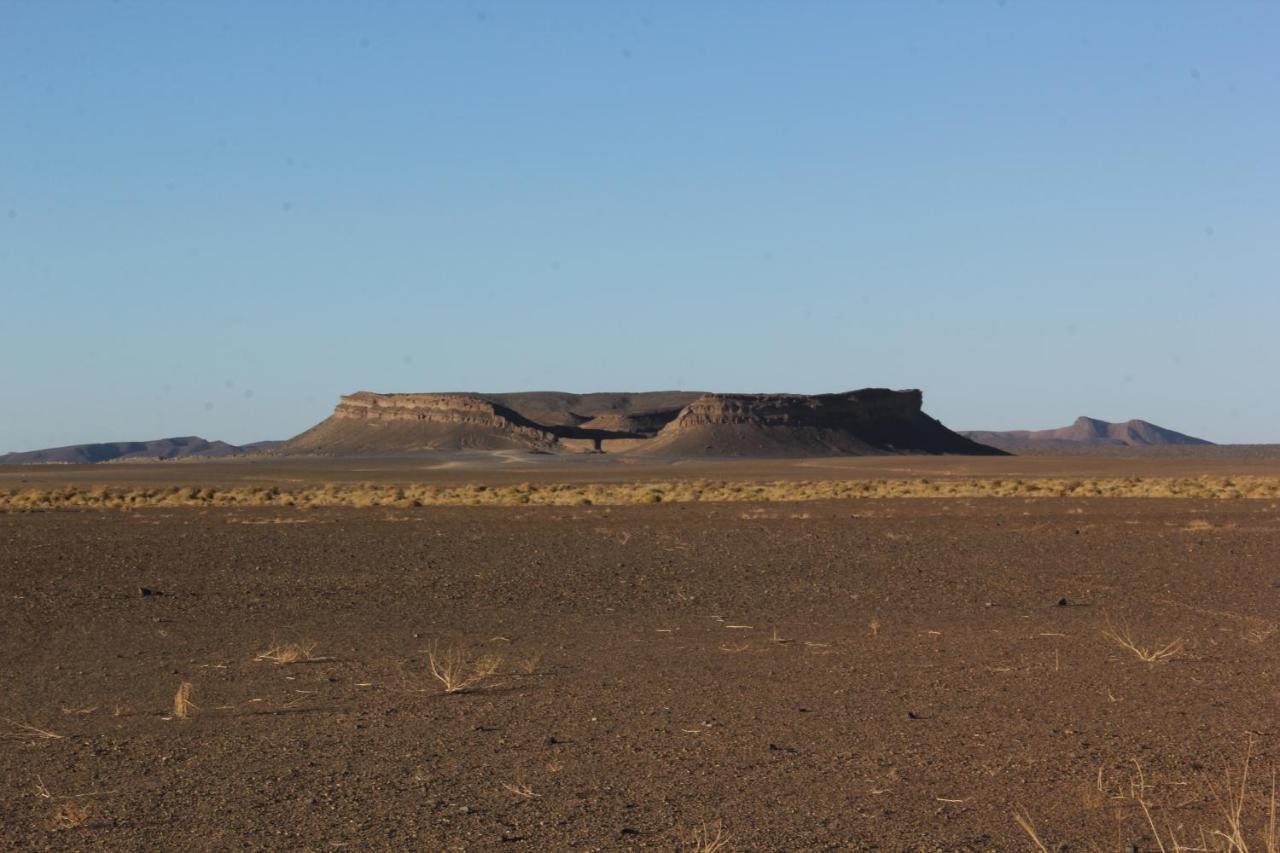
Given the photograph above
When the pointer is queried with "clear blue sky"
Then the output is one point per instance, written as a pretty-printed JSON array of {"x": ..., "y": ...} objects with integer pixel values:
[{"x": 216, "y": 217}]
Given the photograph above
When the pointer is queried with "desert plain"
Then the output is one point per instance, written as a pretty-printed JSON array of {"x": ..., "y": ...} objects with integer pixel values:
[{"x": 874, "y": 653}]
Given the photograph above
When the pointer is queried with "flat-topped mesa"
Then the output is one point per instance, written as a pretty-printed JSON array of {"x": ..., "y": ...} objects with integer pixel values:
[
  {"x": 366, "y": 422},
  {"x": 666, "y": 423}
]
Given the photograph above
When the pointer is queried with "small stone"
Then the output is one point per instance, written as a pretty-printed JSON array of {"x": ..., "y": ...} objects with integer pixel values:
[{"x": 1062, "y": 602}]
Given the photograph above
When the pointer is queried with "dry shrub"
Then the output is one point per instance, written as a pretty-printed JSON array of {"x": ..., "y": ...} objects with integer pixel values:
[
  {"x": 710, "y": 839},
  {"x": 458, "y": 671}
]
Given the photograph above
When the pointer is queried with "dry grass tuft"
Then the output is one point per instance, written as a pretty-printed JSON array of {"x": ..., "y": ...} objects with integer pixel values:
[
  {"x": 1232, "y": 800},
  {"x": 69, "y": 815},
  {"x": 457, "y": 671},
  {"x": 1261, "y": 631},
  {"x": 1024, "y": 822},
  {"x": 1241, "y": 830},
  {"x": 182, "y": 704},
  {"x": 530, "y": 665},
  {"x": 1152, "y": 654},
  {"x": 22, "y": 731},
  {"x": 706, "y": 839},
  {"x": 285, "y": 653},
  {"x": 520, "y": 790},
  {"x": 874, "y": 627}
]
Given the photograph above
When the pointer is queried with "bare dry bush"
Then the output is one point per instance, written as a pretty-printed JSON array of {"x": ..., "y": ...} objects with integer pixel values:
[
  {"x": 710, "y": 839},
  {"x": 458, "y": 671}
]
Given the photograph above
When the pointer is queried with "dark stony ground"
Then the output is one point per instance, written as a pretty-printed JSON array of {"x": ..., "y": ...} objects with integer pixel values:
[{"x": 887, "y": 674}]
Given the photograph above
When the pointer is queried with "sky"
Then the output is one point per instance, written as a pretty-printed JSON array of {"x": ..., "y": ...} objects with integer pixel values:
[{"x": 215, "y": 218}]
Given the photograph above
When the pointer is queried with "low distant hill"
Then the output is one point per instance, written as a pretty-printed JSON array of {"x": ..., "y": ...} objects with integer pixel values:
[
  {"x": 1085, "y": 435},
  {"x": 164, "y": 448},
  {"x": 663, "y": 423}
]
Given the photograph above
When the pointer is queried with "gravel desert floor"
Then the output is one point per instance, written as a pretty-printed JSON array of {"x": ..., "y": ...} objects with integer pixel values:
[{"x": 868, "y": 674}]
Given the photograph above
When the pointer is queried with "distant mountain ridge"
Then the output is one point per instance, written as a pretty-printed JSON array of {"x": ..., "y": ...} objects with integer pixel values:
[
  {"x": 181, "y": 447},
  {"x": 1086, "y": 433}
]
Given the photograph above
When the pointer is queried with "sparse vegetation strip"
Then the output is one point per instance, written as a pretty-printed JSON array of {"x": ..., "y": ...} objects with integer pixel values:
[{"x": 619, "y": 494}]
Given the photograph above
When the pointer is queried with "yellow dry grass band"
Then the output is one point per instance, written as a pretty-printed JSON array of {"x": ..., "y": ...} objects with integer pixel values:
[{"x": 619, "y": 494}]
